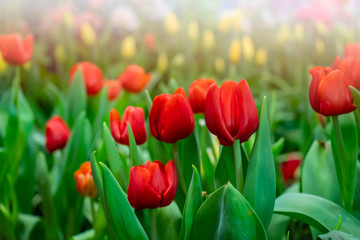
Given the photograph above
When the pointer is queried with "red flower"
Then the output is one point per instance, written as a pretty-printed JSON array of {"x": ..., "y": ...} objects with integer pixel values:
[
  {"x": 152, "y": 185},
  {"x": 171, "y": 117},
  {"x": 57, "y": 134},
  {"x": 92, "y": 76},
  {"x": 134, "y": 78},
  {"x": 290, "y": 166},
  {"x": 230, "y": 111},
  {"x": 197, "y": 93},
  {"x": 114, "y": 88},
  {"x": 119, "y": 128},
  {"x": 16, "y": 51},
  {"x": 350, "y": 66},
  {"x": 84, "y": 180},
  {"x": 150, "y": 40},
  {"x": 329, "y": 92},
  {"x": 352, "y": 50}
]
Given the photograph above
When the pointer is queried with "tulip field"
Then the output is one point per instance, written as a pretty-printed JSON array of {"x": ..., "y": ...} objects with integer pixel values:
[{"x": 184, "y": 119}]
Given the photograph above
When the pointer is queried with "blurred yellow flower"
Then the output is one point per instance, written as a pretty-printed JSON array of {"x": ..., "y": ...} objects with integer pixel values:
[
  {"x": 237, "y": 20},
  {"x": 178, "y": 60},
  {"x": 162, "y": 62},
  {"x": 88, "y": 34},
  {"x": 235, "y": 51},
  {"x": 224, "y": 24},
  {"x": 59, "y": 53},
  {"x": 319, "y": 46},
  {"x": 3, "y": 64},
  {"x": 171, "y": 23},
  {"x": 321, "y": 28},
  {"x": 232, "y": 21},
  {"x": 208, "y": 40},
  {"x": 219, "y": 64},
  {"x": 261, "y": 56},
  {"x": 193, "y": 30},
  {"x": 299, "y": 32},
  {"x": 283, "y": 34},
  {"x": 248, "y": 48},
  {"x": 68, "y": 19},
  {"x": 128, "y": 47}
]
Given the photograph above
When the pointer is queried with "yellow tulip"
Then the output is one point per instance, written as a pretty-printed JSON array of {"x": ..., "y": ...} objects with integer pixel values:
[
  {"x": 171, "y": 23},
  {"x": 162, "y": 62},
  {"x": 193, "y": 30},
  {"x": 248, "y": 48},
  {"x": 261, "y": 56},
  {"x": 3, "y": 64},
  {"x": 237, "y": 20},
  {"x": 208, "y": 40},
  {"x": 68, "y": 19},
  {"x": 283, "y": 34},
  {"x": 128, "y": 47},
  {"x": 235, "y": 51},
  {"x": 219, "y": 64},
  {"x": 59, "y": 53},
  {"x": 224, "y": 24},
  {"x": 319, "y": 46},
  {"x": 232, "y": 21},
  {"x": 88, "y": 34},
  {"x": 321, "y": 28},
  {"x": 299, "y": 32}
]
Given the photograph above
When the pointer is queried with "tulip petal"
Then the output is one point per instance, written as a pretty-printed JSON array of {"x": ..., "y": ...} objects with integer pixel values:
[
  {"x": 115, "y": 125},
  {"x": 229, "y": 107},
  {"x": 157, "y": 177},
  {"x": 350, "y": 66},
  {"x": 155, "y": 114},
  {"x": 171, "y": 176},
  {"x": 136, "y": 119},
  {"x": 317, "y": 73}
]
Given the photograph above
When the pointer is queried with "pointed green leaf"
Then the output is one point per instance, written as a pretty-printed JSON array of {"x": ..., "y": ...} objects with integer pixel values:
[
  {"x": 168, "y": 220},
  {"x": 135, "y": 156},
  {"x": 225, "y": 168}
]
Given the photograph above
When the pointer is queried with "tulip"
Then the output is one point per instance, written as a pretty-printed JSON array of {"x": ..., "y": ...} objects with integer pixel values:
[
  {"x": 290, "y": 166},
  {"x": 248, "y": 48},
  {"x": 114, "y": 88},
  {"x": 16, "y": 51},
  {"x": 3, "y": 64},
  {"x": 128, "y": 47},
  {"x": 352, "y": 50},
  {"x": 219, "y": 64},
  {"x": 261, "y": 56},
  {"x": 235, "y": 51},
  {"x": 350, "y": 66},
  {"x": 88, "y": 34},
  {"x": 197, "y": 94},
  {"x": 57, "y": 134},
  {"x": 162, "y": 62},
  {"x": 92, "y": 77},
  {"x": 171, "y": 23},
  {"x": 208, "y": 40},
  {"x": 329, "y": 93},
  {"x": 119, "y": 128},
  {"x": 134, "y": 78},
  {"x": 59, "y": 53},
  {"x": 84, "y": 180},
  {"x": 171, "y": 117},
  {"x": 152, "y": 185},
  {"x": 68, "y": 19},
  {"x": 230, "y": 111},
  {"x": 319, "y": 46},
  {"x": 193, "y": 30},
  {"x": 150, "y": 40}
]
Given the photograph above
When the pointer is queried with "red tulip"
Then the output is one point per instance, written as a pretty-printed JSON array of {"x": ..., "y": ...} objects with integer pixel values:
[
  {"x": 134, "y": 78},
  {"x": 197, "y": 94},
  {"x": 84, "y": 180},
  {"x": 16, "y": 51},
  {"x": 57, "y": 134},
  {"x": 114, "y": 88},
  {"x": 350, "y": 66},
  {"x": 171, "y": 117},
  {"x": 329, "y": 92},
  {"x": 150, "y": 40},
  {"x": 230, "y": 111},
  {"x": 152, "y": 185},
  {"x": 290, "y": 166},
  {"x": 352, "y": 50},
  {"x": 119, "y": 128},
  {"x": 92, "y": 76}
]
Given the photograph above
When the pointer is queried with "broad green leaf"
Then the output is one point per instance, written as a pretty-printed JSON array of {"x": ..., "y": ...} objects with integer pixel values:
[
  {"x": 337, "y": 235},
  {"x": 225, "y": 168},
  {"x": 260, "y": 184},
  {"x": 168, "y": 220},
  {"x": 317, "y": 212},
  {"x": 135, "y": 156},
  {"x": 30, "y": 227},
  {"x": 226, "y": 214},
  {"x": 25, "y": 114},
  {"x": 192, "y": 203}
]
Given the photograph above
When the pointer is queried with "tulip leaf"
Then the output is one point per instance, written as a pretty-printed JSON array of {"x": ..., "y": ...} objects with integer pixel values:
[
  {"x": 169, "y": 216},
  {"x": 135, "y": 156},
  {"x": 225, "y": 168},
  {"x": 260, "y": 176},
  {"x": 6, "y": 230},
  {"x": 192, "y": 203},
  {"x": 25, "y": 114},
  {"x": 148, "y": 100},
  {"x": 89, "y": 234},
  {"x": 123, "y": 221},
  {"x": 101, "y": 109},
  {"x": 317, "y": 212},
  {"x": 337, "y": 235},
  {"x": 356, "y": 96},
  {"x": 278, "y": 146},
  {"x": 30, "y": 226},
  {"x": 226, "y": 214}
]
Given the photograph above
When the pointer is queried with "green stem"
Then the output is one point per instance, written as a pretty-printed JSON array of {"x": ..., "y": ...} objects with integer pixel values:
[
  {"x": 16, "y": 84},
  {"x": 179, "y": 171},
  {"x": 238, "y": 166},
  {"x": 153, "y": 224},
  {"x": 92, "y": 210}
]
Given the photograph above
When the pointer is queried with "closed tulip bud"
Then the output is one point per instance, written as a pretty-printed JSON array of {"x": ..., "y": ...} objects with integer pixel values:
[
  {"x": 248, "y": 48},
  {"x": 350, "y": 66},
  {"x": 319, "y": 46},
  {"x": 16, "y": 51},
  {"x": 57, "y": 134},
  {"x": 171, "y": 23},
  {"x": 261, "y": 56},
  {"x": 299, "y": 32},
  {"x": 134, "y": 78},
  {"x": 171, "y": 118},
  {"x": 119, "y": 128},
  {"x": 230, "y": 112},
  {"x": 352, "y": 50},
  {"x": 68, "y": 19},
  {"x": 235, "y": 51},
  {"x": 162, "y": 62},
  {"x": 128, "y": 47},
  {"x": 152, "y": 185},
  {"x": 150, "y": 40},
  {"x": 219, "y": 64},
  {"x": 329, "y": 92},
  {"x": 3, "y": 64},
  {"x": 197, "y": 93},
  {"x": 59, "y": 53},
  {"x": 193, "y": 30},
  {"x": 290, "y": 166},
  {"x": 84, "y": 180},
  {"x": 92, "y": 77},
  {"x": 208, "y": 40},
  {"x": 114, "y": 88},
  {"x": 88, "y": 34}
]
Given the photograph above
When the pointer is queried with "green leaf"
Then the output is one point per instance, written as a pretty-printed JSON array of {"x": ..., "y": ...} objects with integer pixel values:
[
  {"x": 135, "y": 156},
  {"x": 260, "y": 176},
  {"x": 192, "y": 203},
  {"x": 168, "y": 220},
  {"x": 207, "y": 169},
  {"x": 317, "y": 212},
  {"x": 278, "y": 146},
  {"x": 337, "y": 235},
  {"x": 225, "y": 168},
  {"x": 88, "y": 234},
  {"x": 30, "y": 227},
  {"x": 148, "y": 100},
  {"x": 123, "y": 221},
  {"x": 25, "y": 114},
  {"x": 6, "y": 230},
  {"x": 356, "y": 96},
  {"x": 227, "y": 215},
  {"x": 101, "y": 110}
]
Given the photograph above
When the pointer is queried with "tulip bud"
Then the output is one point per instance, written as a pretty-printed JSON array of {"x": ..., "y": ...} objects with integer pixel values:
[
  {"x": 193, "y": 30},
  {"x": 88, "y": 34},
  {"x": 208, "y": 40},
  {"x": 57, "y": 134},
  {"x": 171, "y": 24},
  {"x": 134, "y": 78},
  {"x": 171, "y": 117},
  {"x": 152, "y": 185},
  {"x": 59, "y": 53},
  {"x": 162, "y": 62},
  {"x": 230, "y": 112},
  {"x": 261, "y": 56},
  {"x": 119, "y": 128},
  {"x": 290, "y": 166},
  {"x": 128, "y": 47},
  {"x": 224, "y": 24},
  {"x": 91, "y": 74},
  {"x": 150, "y": 40},
  {"x": 3, "y": 64},
  {"x": 219, "y": 64},
  {"x": 329, "y": 92},
  {"x": 114, "y": 88},
  {"x": 16, "y": 51},
  {"x": 235, "y": 51},
  {"x": 248, "y": 48},
  {"x": 84, "y": 180},
  {"x": 197, "y": 94}
]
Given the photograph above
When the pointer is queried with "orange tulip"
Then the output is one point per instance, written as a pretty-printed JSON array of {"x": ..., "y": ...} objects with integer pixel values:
[
  {"x": 16, "y": 51},
  {"x": 114, "y": 88},
  {"x": 84, "y": 180},
  {"x": 134, "y": 78}
]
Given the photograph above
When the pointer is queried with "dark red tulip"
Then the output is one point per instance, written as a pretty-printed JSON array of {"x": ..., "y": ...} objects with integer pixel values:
[
  {"x": 152, "y": 185},
  {"x": 134, "y": 78},
  {"x": 230, "y": 112},
  {"x": 16, "y": 51},
  {"x": 119, "y": 128},
  {"x": 197, "y": 94},
  {"x": 57, "y": 134},
  {"x": 114, "y": 88},
  {"x": 329, "y": 92},
  {"x": 290, "y": 166},
  {"x": 92, "y": 77},
  {"x": 352, "y": 50},
  {"x": 84, "y": 180},
  {"x": 171, "y": 117}
]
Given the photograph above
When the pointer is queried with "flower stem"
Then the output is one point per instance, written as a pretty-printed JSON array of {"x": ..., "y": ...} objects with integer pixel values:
[
  {"x": 153, "y": 224},
  {"x": 238, "y": 166},
  {"x": 92, "y": 210},
  {"x": 178, "y": 167}
]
